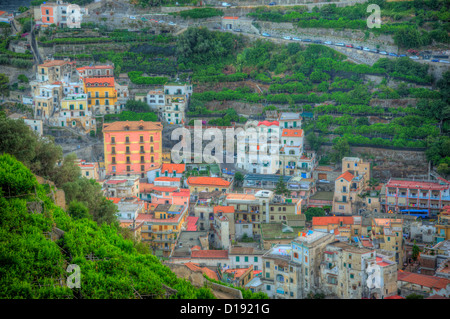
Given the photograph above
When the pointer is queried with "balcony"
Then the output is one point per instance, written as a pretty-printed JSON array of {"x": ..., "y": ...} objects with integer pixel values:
[
  {"x": 391, "y": 194},
  {"x": 402, "y": 195},
  {"x": 412, "y": 195}
]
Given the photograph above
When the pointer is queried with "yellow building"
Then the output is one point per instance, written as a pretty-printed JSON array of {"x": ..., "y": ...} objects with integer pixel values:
[
  {"x": 443, "y": 225},
  {"x": 162, "y": 226},
  {"x": 102, "y": 95},
  {"x": 75, "y": 113},
  {"x": 390, "y": 234}
]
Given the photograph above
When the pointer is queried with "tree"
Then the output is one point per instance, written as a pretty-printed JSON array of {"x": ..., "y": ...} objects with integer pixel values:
[
  {"x": 78, "y": 210},
  {"x": 69, "y": 171},
  {"x": 414, "y": 296},
  {"x": 23, "y": 78},
  {"x": 373, "y": 183},
  {"x": 314, "y": 212},
  {"x": 4, "y": 81},
  {"x": 23, "y": 9},
  {"x": 137, "y": 106},
  {"x": 340, "y": 149},
  {"x": 315, "y": 141},
  {"x": 281, "y": 188},
  {"x": 238, "y": 178},
  {"x": 415, "y": 251}
]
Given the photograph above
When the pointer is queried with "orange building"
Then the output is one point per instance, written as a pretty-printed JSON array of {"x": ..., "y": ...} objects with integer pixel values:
[
  {"x": 102, "y": 95},
  {"x": 132, "y": 147}
]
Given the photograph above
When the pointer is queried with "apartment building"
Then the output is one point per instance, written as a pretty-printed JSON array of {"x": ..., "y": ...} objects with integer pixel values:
[
  {"x": 346, "y": 190},
  {"x": 132, "y": 147},
  {"x": 425, "y": 198},
  {"x": 52, "y": 71},
  {"x": 388, "y": 235},
  {"x": 199, "y": 184},
  {"x": 122, "y": 186}
]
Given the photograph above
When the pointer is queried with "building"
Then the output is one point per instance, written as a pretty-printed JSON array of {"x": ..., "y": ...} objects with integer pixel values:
[
  {"x": 156, "y": 99},
  {"x": 132, "y": 147},
  {"x": 346, "y": 190},
  {"x": 199, "y": 184},
  {"x": 129, "y": 208},
  {"x": 346, "y": 273},
  {"x": 162, "y": 226},
  {"x": 35, "y": 125},
  {"x": 307, "y": 250},
  {"x": 223, "y": 227},
  {"x": 243, "y": 257},
  {"x": 425, "y": 198},
  {"x": 61, "y": 14},
  {"x": 412, "y": 283},
  {"x": 89, "y": 170},
  {"x": 95, "y": 71},
  {"x": 345, "y": 228},
  {"x": 388, "y": 235},
  {"x": 238, "y": 277},
  {"x": 443, "y": 225},
  {"x": 102, "y": 95},
  {"x": 122, "y": 187},
  {"x": 52, "y": 71},
  {"x": 75, "y": 113},
  {"x": 47, "y": 99},
  {"x": 258, "y": 147},
  {"x": 290, "y": 120}
]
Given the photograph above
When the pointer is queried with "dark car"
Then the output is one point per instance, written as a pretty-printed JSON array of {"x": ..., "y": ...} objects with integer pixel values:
[
  {"x": 307, "y": 40},
  {"x": 402, "y": 55},
  {"x": 272, "y": 4},
  {"x": 317, "y": 41},
  {"x": 435, "y": 60},
  {"x": 393, "y": 54},
  {"x": 358, "y": 47}
]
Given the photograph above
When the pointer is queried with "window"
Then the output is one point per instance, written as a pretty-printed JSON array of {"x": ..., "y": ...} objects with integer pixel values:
[
  {"x": 268, "y": 264},
  {"x": 256, "y": 259},
  {"x": 268, "y": 287},
  {"x": 237, "y": 258},
  {"x": 352, "y": 276},
  {"x": 295, "y": 255},
  {"x": 246, "y": 259}
]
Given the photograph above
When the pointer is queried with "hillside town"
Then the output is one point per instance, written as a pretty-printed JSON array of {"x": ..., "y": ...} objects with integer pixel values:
[{"x": 315, "y": 217}]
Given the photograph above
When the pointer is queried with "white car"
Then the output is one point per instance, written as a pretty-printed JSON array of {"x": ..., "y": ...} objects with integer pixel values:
[
  {"x": 287, "y": 38},
  {"x": 296, "y": 39},
  {"x": 340, "y": 44},
  {"x": 444, "y": 61},
  {"x": 226, "y": 4},
  {"x": 366, "y": 49},
  {"x": 132, "y": 17},
  {"x": 383, "y": 52},
  {"x": 171, "y": 23},
  {"x": 328, "y": 42},
  {"x": 414, "y": 57}
]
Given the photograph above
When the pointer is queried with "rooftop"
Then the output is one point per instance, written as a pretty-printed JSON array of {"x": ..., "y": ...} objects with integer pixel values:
[
  {"x": 132, "y": 126},
  {"x": 310, "y": 236},
  {"x": 170, "y": 168},
  {"x": 223, "y": 209},
  {"x": 215, "y": 254},
  {"x": 213, "y": 181},
  {"x": 347, "y": 176},
  {"x": 292, "y": 132},
  {"x": 423, "y": 280},
  {"x": 324, "y": 221},
  {"x": 429, "y": 185},
  {"x": 273, "y": 231}
]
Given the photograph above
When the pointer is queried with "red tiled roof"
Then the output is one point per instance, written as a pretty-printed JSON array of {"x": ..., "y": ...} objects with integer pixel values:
[
  {"x": 191, "y": 223},
  {"x": 90, "y": 82},
  {"x": 268, "y": 123},
  {"x": 416, "y": 185},
  {"x": 224, "y": 209},
  {"x": 222, "y": 254},
  {"x": 292, "y": 132},
  {"x": 367, "y": 243},
  {"x": 116, "y": 181},
  {"x": 132, "y": 126},
  {"x": 423, "y": 280},
  {"x": 196, "y": 247},
  {"x": 145, "y": 187},
  {"x": 164, "y": 189},
  {"x": 347, "y": 176},
  {"x": 238, "y": 272},
  {"x": 167, "y": 179},
  {"x": 231, "y": 18},
  {"x": 213, "y": 181},
  {"x": 324, "y": 221},
  {"x": 394, "y": 297},
  {"x": 50, "y": 63},
  {"x": 208, "y": 272},
  {"x": 182, "y": 192},
  {"x": 179, "y": 168},
  {"x": 115, "y": 200}
]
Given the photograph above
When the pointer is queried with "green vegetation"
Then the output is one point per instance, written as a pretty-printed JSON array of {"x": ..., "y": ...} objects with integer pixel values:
[
  {"x": 131, "y": 116},
  {"x": 199, "y": 13},
  {"x": 32, "y": 263},
  {"x": 314, "y": 212},
  {"x": 412, "y": 23},
  {"x": 137, "y": 78}
]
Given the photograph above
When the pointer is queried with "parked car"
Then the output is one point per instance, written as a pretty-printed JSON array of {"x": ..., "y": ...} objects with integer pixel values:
[
  {"x": 366, "y": 49},
  {"x": 307, "y": 40},
  {"x": 237, "y": 30},
  {"x": 349, "y": 45},
  {"x": 317, "y": 41},
  {"x": 340, "y": 44},
  {"x": 266, "y": 35},
  {"x": 434, "y": 60},
  {"x": 393, "y": 54},
  {"x": 402, "y": 55},
  {"x": 162, "y": 21},
  {"x": 287, "y": 38},
  {"x": 328, "y": 42},
  {"x": 383, "y": 52},
  {"x": 414, "y": 57},
  {"x": 226, "y": 4},
  {"x": 171, "y": 23},
  {"x": 444, "y": 61},
  {"x": 358, "y": 47},
  {"x": 296, "y": 39},
  {"x": 132, "y": 17},
  {"x": 272, "y": 4},
  {"x": 374, "y": 51}
]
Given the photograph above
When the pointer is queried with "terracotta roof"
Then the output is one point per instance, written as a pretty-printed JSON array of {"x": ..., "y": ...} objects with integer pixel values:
[
  {"x": 213, "y": 181},
  {"x": 416, "y": 185},
  {"x": 193, "y": 266},
  {"x": 324, "y": 221},
  {"x": 238, "y": 272},
  {"x": 106, "y": 81},
  {"x": 233, "y": 196},
  {"x": 164, "y": 189},
  {"x": 394, "y": 297},
  {"x": 196, "y": 247},
  {"x": 292, "y": 132},
  {"x": 145, "y": 187},
  {"x": 231, "y": 18},
  {"x": 95, "y": 67},
  {"x": 133, "y": 126},
  {"x": 423, "y": 280},
  {"x": 435, "y": 297},
  {"x": 191, "y": 223},
  {"x": 179, "y": 168},
  {"x": 347, "y": 176},
  {"x": 221, "y": 254},
  {"x": 167, "y": 179},
  {"x": 210, "y": 273},
  {"x": 324, "y": 168},
  {"x": 115, "y": 200},
  {"x": 223, "y": 209},
  {"x": 181, "y": 192},
  {"x": 50, "y": 63},
  {"x": 268, "y": 123}
]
